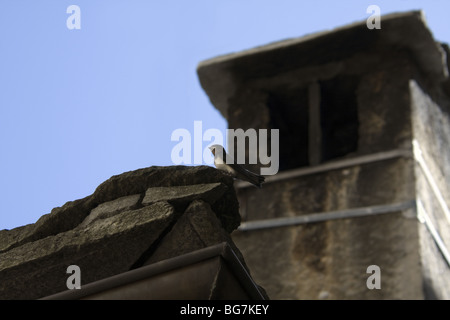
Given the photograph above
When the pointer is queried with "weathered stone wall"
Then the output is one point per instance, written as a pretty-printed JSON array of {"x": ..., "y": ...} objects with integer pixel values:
[
  {"x": 328, "y": 260},
  {"x": 132, "y": 219},
  {"x": 431, "y": 123}
]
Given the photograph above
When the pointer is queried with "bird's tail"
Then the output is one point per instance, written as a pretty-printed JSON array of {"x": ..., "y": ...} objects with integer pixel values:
[{"x": 255, "y": 179}]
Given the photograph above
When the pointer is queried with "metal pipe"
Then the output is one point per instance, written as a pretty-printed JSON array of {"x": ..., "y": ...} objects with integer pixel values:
[
  {"x": 326, "y": 216},
  {"x": 333, "y": 165}
]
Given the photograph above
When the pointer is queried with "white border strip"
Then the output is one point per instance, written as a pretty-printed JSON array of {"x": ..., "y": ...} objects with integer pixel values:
[
  {"x": 424, "y": 218},
  {"x": 423, "y": 165}
]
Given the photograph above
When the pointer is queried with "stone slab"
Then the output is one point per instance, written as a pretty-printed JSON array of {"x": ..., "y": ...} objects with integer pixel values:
[
  {"x": 210, "y": 192},
  {"x": 110, "y": 208},
  {"x": 108, "y": 247}
]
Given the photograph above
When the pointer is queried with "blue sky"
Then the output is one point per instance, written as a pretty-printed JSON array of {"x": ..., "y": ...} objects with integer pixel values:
[{"x": 78, "y": 106}]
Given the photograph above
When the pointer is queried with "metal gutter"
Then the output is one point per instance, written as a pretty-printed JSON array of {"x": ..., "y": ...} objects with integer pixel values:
[{"x": 222, "y": 249}]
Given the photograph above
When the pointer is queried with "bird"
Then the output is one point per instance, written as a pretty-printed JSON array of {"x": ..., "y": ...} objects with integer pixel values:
[{"x": 234, "y": 169}]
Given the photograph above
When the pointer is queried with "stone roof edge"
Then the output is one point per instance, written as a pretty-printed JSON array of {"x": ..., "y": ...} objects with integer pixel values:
[
  {"x": 308, "y": 37},
  {"x": 72, "y": 213}
]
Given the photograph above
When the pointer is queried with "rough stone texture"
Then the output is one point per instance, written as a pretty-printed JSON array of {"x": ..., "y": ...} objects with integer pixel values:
[
  {"x": 191, "y": 232},
  {"x": 363, "y": 81},
  {"x": 432, "y": 132},
  {"x": 140, "y": 180},
  {"x": 329, "y": 259},
  {"x": 73, "y": 213},
  {"x": 185, "y": 194},
  {"x": 129, "y": 218},
  {"x": 109, "y": 246},
  {"x": 110, "y": 208}
]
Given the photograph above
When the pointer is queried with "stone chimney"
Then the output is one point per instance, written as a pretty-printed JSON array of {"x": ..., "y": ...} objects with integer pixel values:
[{"x": 359, "y": 208}]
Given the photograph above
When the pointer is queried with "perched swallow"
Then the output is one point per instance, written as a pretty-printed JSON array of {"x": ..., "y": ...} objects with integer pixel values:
[{"x": 234, "y": 169}]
